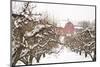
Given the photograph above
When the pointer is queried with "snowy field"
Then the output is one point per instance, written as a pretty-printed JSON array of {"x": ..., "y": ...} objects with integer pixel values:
[
  {"x": 65, "y": 55},
  {"x": 62, "y": 54}
]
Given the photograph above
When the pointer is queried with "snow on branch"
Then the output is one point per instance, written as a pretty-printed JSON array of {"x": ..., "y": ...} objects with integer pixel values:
[{"x": 34, "y": 31}]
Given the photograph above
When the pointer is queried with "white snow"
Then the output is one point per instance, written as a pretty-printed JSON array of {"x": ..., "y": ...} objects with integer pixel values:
[
  {"x": 61, "y": 54},
  {"x": 61, "y": 39},
  {"x": 45, "y": 33},
  {"x": 20, "y": 63},
  {"x": 36, "y": 29},
  {"x": 28, "y": 33},
  {"x": 16, "y": 24},
  {"x": 64, "y": 55},
  {"x": 93, "y": 36},
  {"x": 78, "y": 27},
  {"x": 31, "y": 47},
  {"x": 39, "y": 35}
]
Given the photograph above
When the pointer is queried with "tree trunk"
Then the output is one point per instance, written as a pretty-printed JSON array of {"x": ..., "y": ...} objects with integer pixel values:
[
  {"x": 85, "y": 54},
  {"x": 38, "y": 58},
  {"x": 16, "y": 55},
  {"x": 43, "y": 54},
  {"x": 15, "y": 59},
  {"x": 94, "y": 56},
  {"x": 80, "y": 52},
  {"x": 30, "y": 60}
]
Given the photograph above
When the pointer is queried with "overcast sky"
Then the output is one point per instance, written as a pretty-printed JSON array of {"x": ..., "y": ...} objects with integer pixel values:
[{"x": 64, "y": 12}]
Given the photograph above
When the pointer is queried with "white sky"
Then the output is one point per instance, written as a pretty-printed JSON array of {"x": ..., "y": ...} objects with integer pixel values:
[{"x": 63, "y": 12}]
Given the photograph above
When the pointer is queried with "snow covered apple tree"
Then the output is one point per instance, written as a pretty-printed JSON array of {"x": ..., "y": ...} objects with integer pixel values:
[
  {"x": 83, "y": 42},
  {"x": 31, "y": 37}
]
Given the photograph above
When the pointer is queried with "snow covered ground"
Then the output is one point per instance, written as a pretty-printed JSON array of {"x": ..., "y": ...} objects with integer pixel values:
[
  {"x": 62, "y": 54},
  {"x": 65, "y": 55}
]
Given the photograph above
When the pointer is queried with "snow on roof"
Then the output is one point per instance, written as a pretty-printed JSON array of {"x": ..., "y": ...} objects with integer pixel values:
[{"x": 78, "y": 27}]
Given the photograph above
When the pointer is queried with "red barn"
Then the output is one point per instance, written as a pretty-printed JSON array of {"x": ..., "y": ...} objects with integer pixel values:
[{"x": 69, "y": 28}]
